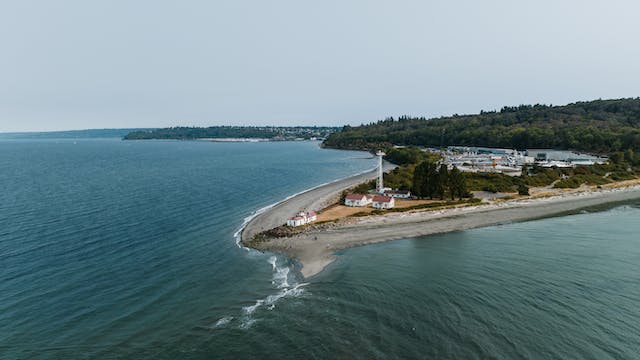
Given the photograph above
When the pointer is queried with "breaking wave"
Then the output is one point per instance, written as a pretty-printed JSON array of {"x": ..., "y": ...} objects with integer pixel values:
[
  {"x": 288, "y": 287},
  {"x": 223, "y": 321}
]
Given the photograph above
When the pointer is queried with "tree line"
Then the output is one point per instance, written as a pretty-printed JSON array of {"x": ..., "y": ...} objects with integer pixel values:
[
  {"x": 213, "y": 132},
  {"x": 600, "y": 126},
  {"x": 433, "y": 181}
]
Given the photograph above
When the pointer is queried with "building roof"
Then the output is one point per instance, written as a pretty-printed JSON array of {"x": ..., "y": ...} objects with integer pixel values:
[
  {"x": 296, "y": 218},
  {"x": 311, "y": 213},
  {"x": 397, "y": 192},
  {"x": 355, "y": 197},
  {"x": 382, "y": 198}
]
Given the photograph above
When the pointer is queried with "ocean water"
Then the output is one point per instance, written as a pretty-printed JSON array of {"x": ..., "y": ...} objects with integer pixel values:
[{"x": 112, "y": 249}]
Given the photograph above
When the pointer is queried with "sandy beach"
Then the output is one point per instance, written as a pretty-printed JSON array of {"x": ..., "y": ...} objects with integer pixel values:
[
  {"x": 314, "y": 250},
  {"x": 311, "y": 200}
]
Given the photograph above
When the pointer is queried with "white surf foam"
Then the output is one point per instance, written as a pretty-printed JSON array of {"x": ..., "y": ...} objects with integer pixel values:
[
  {"x": 247, "y": 323},
  {"x": 223, "y": 321},
  {"x": 248, "y": 310},
  {"x": 280, "y": 275},
  {"x": 287, "y": 288}
]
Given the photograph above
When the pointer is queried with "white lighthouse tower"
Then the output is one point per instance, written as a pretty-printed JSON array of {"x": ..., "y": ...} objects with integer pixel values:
[{"x": 380, "y": 185}]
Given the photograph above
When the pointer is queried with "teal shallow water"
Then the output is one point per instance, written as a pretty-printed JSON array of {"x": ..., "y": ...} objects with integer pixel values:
[{"x": 113, "y": 249}]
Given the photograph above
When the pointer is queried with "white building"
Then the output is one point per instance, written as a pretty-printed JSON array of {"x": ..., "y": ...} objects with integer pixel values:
[
  {"x": 383, "y": 202},
  {"x": 357, "y": 200},
  {"x": 398, "y": 194},
  {"x": 302, "y": 218},
  {"x": 380, "y": 184}
]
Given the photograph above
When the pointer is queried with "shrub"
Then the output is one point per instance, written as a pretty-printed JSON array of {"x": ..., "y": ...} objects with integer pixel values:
[{"x": 523, "y": 189}]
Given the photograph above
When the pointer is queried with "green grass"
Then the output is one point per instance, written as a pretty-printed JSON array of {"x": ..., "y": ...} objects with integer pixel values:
[
  {"x": 434, "y": 205},
  {"x": 576, "y": 181},
  {"x": 493, "y": 182}
]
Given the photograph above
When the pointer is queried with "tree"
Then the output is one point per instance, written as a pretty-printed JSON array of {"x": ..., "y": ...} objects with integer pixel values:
[
  {"x": 629, "y": 156},
  {"x": 443, "y": 181},
  {"x": 425, "y": 180},
  {"x": 597, "y": 126},
  {"x": 419, "y": 179},
  {"x": 453, "y": 174},
  {"x": 523, "y": 189},
  {"x": 343, "y": 196},
  {"x": 457, "y": 183},
  {"x": 616, "y": 157},
  {"x": 432, "y": 185}
]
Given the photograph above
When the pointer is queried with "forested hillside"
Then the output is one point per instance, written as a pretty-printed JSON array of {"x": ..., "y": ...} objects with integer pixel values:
[{"x": 600, "y": 126}]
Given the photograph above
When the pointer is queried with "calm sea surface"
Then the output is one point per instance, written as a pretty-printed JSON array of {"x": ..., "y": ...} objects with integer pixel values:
[{"x": 112, "y": 249}]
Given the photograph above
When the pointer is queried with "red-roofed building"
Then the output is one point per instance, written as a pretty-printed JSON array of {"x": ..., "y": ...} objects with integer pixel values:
[
  {"x": 383, "y": 202},
  {"x": 302, "y": 218},
  {"x": 357, "y": 200}
]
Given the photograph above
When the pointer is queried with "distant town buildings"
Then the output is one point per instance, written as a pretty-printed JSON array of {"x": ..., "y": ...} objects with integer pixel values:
[
  {"x": 510, "y": 162},
  {"x": 302, "y": 218}
]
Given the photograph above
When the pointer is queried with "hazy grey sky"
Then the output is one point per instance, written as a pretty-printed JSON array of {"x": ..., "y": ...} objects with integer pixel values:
[{"x": 134, "y": 63}]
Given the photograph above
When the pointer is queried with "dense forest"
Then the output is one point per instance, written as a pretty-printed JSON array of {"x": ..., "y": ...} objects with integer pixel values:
[
  {"x": 246, "y": 132},
  {"x": 600, "y": 126}
]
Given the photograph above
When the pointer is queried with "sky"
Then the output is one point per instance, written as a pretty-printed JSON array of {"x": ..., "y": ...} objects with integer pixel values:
[{"x": 136, "y": 63}]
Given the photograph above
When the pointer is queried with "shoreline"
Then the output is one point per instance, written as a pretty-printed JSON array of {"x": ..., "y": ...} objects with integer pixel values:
[
  {"x": 315, "y": 198},
  {"x": 314, "y": 249}
]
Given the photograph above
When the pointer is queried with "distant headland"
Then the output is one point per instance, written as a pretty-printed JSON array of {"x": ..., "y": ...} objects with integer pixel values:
[{"x": 235, "y": 133}]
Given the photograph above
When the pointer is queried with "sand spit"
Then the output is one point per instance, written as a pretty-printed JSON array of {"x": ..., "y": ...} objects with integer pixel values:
[
  {"x": 315, "y": 249},
  {"x": 314, "y": 199}
]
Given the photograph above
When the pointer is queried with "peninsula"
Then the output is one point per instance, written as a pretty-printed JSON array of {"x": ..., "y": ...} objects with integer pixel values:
[
  {"x": 315, "y": 248},
  {"x": 508, "y": 185},
  {"x": 234, "y": 133}
]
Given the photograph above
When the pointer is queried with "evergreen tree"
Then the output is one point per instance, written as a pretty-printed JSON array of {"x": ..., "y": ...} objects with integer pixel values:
[
  {"x": 457, "y": 183},
  {"x": 629, "y": 156},
  {"x": 419, "y": 178},
  {"x": 433, "y": 180},
  {"x": 523, "y": 189},
  {"x": 425, "y": 180},
  {"x": 443, "y": 180}
]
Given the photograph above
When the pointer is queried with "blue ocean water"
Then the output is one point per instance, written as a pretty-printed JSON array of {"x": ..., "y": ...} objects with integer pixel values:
[{"x": 114, "y": 249}]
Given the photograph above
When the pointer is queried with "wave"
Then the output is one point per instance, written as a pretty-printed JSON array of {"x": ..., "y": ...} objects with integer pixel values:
[
  {"x": 282, "y": 280},
  {"x": 281, "y": 275},
  {"x": 223, "y": 321},
  {"x": 288, "y": 288}
]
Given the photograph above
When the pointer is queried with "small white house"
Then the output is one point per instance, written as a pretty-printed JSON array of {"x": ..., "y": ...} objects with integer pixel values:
[
  {"x": 302, "y": 218},
  {"x": 383, "y": 202},
  {"x": 398, "y": 194},
  {"x": 296, "y": 221},
  {"x": 357, "y": 200}
]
